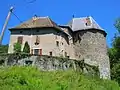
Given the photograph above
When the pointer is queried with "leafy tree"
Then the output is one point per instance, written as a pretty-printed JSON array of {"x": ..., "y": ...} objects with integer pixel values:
[
  {"x": 117, "y": 24},
  {"x": 114, "y": 54},
  {"x": 26, "y": 48},
  {"x": 17, "y": 48}
]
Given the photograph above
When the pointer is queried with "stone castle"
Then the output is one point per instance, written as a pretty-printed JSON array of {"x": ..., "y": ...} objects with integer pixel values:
[{"x": 81, "y": 39}]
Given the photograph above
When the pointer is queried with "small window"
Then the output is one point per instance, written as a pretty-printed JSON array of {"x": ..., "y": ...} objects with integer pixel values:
[
  {"x": 62, "y": 43},
  {"x": 37, "y": 40},
  {"x": 36, "y": 51},
  {"x": 20, "y": 39},
  {"x": 50, "y": 53},
  {"x": 57, "y": 43},
  {"x": 21, "y": 31},
  {"x": 88, "y": 22},
  {"x": 37, "y": 30}
]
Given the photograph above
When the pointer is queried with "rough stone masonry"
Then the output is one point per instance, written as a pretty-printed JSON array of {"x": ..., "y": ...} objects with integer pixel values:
[{"x": 91, "y": 46}]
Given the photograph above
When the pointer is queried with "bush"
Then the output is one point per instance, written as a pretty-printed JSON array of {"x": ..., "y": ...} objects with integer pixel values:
[
  {"x": 17, "y": 48},
  {"x": 3, "y": 49},
  {"x": 26, "y": 48},
  {"x": 30, "y": 78}
]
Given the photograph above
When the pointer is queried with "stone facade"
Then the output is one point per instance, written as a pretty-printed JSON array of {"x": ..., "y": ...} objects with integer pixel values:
[{"x": 90, "y": 45}]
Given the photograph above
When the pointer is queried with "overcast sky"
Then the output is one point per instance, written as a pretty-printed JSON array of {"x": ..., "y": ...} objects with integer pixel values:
[{"x": 104, "y": 12}]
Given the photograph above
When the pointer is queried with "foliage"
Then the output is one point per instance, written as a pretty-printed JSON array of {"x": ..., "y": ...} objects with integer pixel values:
[
  {"x": 26, "y": 48},
  {"x": 117, "y": 24},
  {"x": 114, "y": 54},
  {"x": 17, "y": 48},
  {"x": 30, "y": 78},
  {"x": 3, "y": 49}
]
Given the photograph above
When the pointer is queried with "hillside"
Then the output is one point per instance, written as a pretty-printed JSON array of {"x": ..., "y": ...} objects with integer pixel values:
[{"x": 29, "y": 78}]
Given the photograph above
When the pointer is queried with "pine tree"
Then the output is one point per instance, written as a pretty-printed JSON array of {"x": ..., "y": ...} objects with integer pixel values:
[{"x": 26, "y": 48}]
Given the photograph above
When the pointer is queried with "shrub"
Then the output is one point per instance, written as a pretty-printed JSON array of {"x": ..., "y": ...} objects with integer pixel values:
[
  {"x": 3, "y": 49},
  {"x": 17, "y": 48},
  {"x": 26, "y": 48}
]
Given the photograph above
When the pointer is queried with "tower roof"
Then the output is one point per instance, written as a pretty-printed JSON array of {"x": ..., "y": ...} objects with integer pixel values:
[{"x": 83, "y": 24}]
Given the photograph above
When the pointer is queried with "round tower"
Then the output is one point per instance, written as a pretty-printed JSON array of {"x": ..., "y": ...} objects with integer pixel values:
[{"x": 90, "y": 44}]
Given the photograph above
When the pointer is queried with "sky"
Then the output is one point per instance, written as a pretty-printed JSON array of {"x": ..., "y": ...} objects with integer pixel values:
[{"x": 105, "y": 12}]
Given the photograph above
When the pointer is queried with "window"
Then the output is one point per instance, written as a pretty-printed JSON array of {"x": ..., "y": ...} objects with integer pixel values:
[
  {"x": 36, "y": 51},
  {"x": 37, "y": 30},
  {"x": 62, "y": 43},
  {"x": 20, "y": 39},
  {"x": 37, "y": 40},
  {"x": 88, "y": 22},
  {"x": 50, "y": 53},
  {"x": 57, "y": 43},
  {"x": 21, "y": 31}
]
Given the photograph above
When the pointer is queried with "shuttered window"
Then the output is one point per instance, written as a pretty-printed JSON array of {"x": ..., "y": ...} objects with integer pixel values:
[{"x": 20, "y": 39}]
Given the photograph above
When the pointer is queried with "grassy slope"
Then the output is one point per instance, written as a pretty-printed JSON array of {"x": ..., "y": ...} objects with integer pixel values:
[{"x": 28, "y": 78}]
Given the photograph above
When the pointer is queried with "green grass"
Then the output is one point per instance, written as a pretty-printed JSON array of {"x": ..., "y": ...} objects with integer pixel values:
[{"x": 30, "y": 78}]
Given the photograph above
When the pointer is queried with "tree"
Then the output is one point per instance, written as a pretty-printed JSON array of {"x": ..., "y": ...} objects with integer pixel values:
[
  {"x": 117, "y": 24},
  {"x": 26, "y": 48},
  {"x": 17, "y": 48},
  {"x": 114, "y": 54}
]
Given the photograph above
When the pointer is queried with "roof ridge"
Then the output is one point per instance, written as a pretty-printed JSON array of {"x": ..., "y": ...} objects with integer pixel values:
[
  {"x": 94, "y": 21},
  {"x": 81, "y": 17},
  {"x": 43, "y": 17}
]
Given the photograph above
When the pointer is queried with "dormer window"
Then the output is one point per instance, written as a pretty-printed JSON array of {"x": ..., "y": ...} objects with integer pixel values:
[{"x": 88, "y": 22}]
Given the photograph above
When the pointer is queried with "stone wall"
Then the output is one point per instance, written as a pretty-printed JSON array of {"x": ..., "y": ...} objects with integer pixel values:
[
  {"x": 90, "y": 45},
  {"x": 47, "y": 63}
]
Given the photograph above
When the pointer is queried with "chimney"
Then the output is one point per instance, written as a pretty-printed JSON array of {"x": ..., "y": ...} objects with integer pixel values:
[{"x": 35, "y": 17}]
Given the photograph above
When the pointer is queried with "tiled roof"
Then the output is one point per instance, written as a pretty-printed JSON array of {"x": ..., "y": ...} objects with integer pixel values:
[
  {"x": 37, "y": 22},
  {"x": 83, "y": 24}
]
